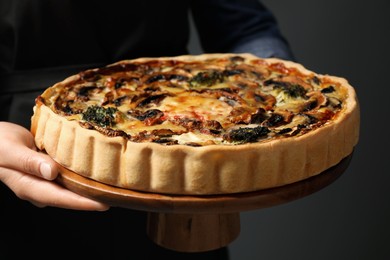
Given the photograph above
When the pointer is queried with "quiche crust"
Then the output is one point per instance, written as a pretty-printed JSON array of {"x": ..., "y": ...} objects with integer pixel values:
[{"x": 205, "y": 170}]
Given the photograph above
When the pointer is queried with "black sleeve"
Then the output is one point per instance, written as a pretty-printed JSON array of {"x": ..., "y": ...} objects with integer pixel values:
[{"x": 239, "y": 26}]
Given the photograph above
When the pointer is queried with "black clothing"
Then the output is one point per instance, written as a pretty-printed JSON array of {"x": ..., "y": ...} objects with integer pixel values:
[
  {"x": 47, "y": 33},
  {"x": 42, "y": 42},
  {"x": 39, "y": 37}
]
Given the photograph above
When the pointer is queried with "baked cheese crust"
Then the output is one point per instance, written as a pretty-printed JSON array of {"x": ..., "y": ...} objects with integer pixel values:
[{"x": 198, "y": 124}]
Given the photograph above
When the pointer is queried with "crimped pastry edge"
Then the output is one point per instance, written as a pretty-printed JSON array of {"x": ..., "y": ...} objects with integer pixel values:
[{"x": 214, "y": 169}]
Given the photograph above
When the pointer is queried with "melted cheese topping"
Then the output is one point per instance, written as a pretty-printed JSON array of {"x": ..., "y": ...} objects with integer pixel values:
[
  {"x": 218, "y": 101},
  {"x": 194, "y": 106}
]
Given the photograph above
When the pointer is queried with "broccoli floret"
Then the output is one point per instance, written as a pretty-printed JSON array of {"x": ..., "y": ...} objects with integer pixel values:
[
  {"x": 207, "y": 78},
  {"x": 100, "y": 116}
]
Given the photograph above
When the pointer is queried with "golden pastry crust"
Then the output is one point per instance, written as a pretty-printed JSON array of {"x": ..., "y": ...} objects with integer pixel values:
[{"x": 203, "y": 170}]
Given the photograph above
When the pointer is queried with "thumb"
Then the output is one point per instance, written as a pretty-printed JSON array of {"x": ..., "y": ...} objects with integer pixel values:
[
  {"x": 47, "y": 167},
  {"x": 18, "y": 152},
  {"x": 29, "y": 161}
]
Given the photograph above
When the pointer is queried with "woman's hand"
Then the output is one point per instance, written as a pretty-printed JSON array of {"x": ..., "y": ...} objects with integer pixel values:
[{"x": 29, "y": 173}]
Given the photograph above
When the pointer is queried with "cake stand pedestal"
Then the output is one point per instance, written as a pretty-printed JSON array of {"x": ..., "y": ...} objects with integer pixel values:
[{"x": 189, "y": 223}]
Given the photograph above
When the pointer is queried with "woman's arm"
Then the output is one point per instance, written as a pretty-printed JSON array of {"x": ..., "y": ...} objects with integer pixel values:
[{"x": 239, "y": 26}]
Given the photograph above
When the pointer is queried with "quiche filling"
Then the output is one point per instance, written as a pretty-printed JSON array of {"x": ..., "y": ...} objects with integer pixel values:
[{"x": 226, "y": 100}]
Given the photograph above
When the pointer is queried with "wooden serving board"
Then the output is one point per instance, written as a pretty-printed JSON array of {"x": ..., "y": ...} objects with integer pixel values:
[{"x": 225, "y": 203}]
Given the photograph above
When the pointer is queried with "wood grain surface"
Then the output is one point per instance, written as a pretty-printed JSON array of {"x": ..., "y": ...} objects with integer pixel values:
[{"x": 227, "y": 203}]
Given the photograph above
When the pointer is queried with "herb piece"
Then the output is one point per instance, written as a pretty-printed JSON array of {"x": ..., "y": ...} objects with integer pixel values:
[
  {"x": 206, "y": 78},
  {"x": 246, "y": 134},
  {"x": 100, "y": 116},
  {"x": 292, "y": 90}
]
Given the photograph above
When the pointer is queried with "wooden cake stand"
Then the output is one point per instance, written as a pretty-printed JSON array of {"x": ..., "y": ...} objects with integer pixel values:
[{"x": 196, "y": 223}]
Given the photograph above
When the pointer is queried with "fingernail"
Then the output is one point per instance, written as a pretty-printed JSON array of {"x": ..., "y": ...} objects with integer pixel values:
[{"x": 45, "y": 170}]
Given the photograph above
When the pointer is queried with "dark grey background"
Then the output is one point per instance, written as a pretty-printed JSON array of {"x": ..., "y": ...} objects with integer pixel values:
[{"x": 350, "y": 219}]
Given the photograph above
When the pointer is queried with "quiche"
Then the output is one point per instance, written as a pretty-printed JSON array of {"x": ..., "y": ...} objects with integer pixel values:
[{"x": 198, "y": 124}]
